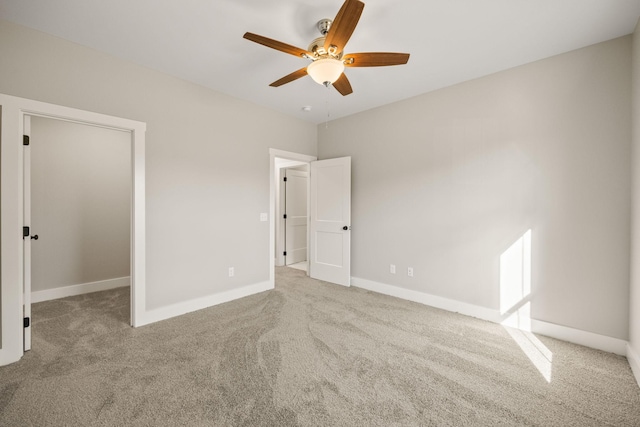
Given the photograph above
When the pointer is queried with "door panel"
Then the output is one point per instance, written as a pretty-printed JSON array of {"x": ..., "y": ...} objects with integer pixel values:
[
  {"x": 329, "y": 246},
  {"x": 296, "y": 211},
  {"x": 329, "y": 196},
  {"x": 330, "y": 214}
]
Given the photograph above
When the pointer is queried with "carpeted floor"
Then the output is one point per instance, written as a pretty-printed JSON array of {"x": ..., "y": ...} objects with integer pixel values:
[{"x": 307, "y": 353}]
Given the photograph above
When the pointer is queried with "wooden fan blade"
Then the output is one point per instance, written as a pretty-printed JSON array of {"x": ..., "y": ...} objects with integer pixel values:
[
  {"x": 343, "y": 25},
  {"x": 290, "y": 77},
  {"x": 274, "y": 44},
  {"x": 375, "y": 59},
  {"x": 342, "y": 85}
]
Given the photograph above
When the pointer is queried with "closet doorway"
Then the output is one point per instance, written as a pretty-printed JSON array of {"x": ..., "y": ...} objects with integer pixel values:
[{"x": 77, "y": 202}]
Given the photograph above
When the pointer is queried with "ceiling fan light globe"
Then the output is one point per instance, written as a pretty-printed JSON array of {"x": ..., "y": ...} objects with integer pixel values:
[{"x": 325, "y": 70}]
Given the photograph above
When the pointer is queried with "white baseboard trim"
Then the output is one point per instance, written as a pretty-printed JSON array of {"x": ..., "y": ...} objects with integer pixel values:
[
  {"x": 634, "y": 362},
  {"x": 185, "y": 307},
  {"x": 428, "y": 299},
  {"x": 83, "y": 288},
  {"x": 576, "y": 336}
]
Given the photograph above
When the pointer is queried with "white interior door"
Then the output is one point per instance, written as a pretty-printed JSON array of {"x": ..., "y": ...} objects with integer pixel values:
[
  {"x": 330, "y": 225},
  {"x": 26, "y": 237},
  {"x": 296, "y": 220}
]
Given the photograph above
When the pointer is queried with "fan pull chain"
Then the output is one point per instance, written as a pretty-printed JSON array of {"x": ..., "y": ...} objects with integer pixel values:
[{"x": 326, "y": 102}]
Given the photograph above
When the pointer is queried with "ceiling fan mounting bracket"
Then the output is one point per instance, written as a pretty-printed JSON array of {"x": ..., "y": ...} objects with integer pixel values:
[{"x": 324, "y": 25}]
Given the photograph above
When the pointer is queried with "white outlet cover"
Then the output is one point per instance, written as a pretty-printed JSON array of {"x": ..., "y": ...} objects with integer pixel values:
[{"x": 264, "y": 216}]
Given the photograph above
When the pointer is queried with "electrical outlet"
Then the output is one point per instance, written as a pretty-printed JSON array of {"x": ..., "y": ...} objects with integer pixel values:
[
  {"x": 232, "y": 272},
  {"x": 410, "y": 271},
  {"x": 263, "y": 216},
  {"x": 392, "y": 269}
]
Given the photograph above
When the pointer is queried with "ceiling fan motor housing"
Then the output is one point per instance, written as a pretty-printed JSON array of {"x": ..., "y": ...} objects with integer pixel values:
[{"x": 317, "y": 47}]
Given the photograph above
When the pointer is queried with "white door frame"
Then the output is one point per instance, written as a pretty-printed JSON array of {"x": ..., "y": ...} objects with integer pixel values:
[
  {"x": 280, "y": 154},
  {"x": 13, "y": 110}
]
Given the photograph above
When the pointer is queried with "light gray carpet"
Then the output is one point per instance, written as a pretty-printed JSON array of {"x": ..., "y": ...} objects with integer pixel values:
[{"x": 307, "y": 353}]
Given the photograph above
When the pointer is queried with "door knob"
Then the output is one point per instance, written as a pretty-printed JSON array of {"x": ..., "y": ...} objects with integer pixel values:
[
  {"x": 345, "y": 228},
  {"x": 34, "y": 237}
]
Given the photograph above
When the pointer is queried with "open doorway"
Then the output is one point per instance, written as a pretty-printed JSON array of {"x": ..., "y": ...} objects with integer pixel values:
[
  {"x": 281, "y": 163},
  {"x": 77, "y": 192},
  {"x": 292, "y": 214},
  {"x": 15, "y": 303},
  {"x": 329, "y": 217}
]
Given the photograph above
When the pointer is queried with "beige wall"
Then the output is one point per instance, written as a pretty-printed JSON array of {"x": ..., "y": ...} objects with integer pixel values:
[
  {"x": 634, "y": 315},
  {"x": 80, "y": 203},
  {"x": 207, "y": 159},
  {"x": 446, "y": 182}
]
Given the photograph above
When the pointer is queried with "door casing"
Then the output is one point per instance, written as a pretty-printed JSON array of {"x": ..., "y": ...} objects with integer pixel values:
[{"x": 12, "y": 112}]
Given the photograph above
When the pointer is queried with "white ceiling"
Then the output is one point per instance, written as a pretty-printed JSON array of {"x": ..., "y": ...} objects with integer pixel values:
[{"x": 450, "y": 41}]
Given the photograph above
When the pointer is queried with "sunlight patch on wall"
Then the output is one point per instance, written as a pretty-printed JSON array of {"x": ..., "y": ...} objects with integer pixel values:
[
  {"x": 515, "y": 304},
  {"x": 515, "y": 273}
]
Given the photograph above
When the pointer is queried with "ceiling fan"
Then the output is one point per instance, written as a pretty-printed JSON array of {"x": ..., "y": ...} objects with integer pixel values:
[{"x": 327, "y": 52}]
